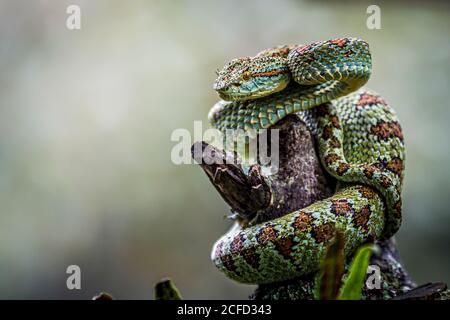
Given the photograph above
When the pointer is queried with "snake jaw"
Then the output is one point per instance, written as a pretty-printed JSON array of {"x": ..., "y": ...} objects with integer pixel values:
[
  {"x": 250, "y": 78},
  {"x": 254, "y": 88}
]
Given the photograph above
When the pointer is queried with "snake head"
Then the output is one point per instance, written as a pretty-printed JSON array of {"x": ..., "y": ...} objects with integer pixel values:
[{"x": 252, "y": 77}]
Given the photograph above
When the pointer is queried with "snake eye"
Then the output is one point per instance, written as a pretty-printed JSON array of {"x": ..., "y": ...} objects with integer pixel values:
[{"x": 246, "y": 75}]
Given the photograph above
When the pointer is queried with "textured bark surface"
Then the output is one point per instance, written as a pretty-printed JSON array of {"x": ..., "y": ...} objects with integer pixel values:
[
  {"x": 246, "y": 193},
  {"x": 300, "y": 181}
]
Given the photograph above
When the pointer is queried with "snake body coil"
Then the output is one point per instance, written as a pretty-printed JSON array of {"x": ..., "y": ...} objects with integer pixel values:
[{"x": 360, "y": 144}]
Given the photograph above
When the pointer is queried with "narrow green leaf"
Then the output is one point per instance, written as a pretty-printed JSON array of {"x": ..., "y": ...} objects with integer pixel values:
[
  {"x": 330, "y": 276},
  {"x": 353, "y": 284},
  {"x": 165, "y": 289}
]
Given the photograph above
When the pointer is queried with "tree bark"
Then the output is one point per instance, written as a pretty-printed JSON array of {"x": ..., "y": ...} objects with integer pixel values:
[{"x": 300, "y": 181}]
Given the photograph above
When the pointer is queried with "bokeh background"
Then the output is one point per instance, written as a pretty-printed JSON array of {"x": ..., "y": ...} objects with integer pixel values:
[{"x": 86, "y": 116}]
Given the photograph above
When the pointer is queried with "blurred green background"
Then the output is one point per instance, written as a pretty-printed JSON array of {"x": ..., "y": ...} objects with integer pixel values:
[{"x": 86, "y": 117}]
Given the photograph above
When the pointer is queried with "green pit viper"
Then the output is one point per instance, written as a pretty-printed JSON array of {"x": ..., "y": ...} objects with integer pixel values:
[{"x": 360, "y": 143}]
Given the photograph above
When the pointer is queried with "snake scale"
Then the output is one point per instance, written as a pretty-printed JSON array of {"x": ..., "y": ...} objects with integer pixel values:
[{"x": 360, "y": 144}]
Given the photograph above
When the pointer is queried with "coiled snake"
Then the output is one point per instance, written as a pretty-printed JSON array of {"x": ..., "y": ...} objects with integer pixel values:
[{"x": 360, "y": 143}]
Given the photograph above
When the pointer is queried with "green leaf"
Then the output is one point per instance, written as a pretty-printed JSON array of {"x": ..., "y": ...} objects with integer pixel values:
[
  {"x": 353, "y": 284},
  {"x": 330, "y": 276},
  {"x": 165, "y": 289}
]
